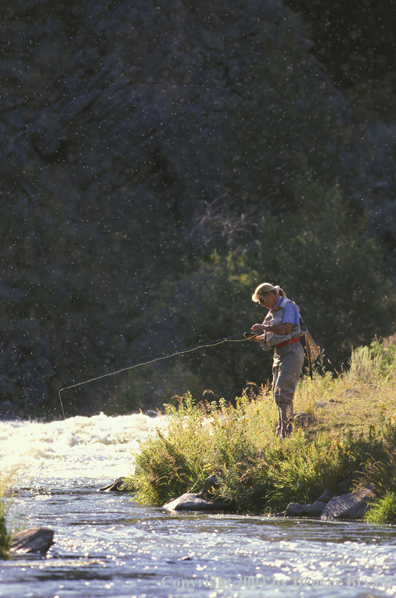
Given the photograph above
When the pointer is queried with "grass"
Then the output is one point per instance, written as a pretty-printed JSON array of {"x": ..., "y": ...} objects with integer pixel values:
[
  {"x": 384, "y": 511},
  {"x": 5, "y": 538},
  {"x": 349, "y": 442}
]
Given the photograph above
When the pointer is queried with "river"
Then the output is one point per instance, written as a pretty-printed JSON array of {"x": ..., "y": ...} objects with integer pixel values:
[{"x": 107, "y": 545}]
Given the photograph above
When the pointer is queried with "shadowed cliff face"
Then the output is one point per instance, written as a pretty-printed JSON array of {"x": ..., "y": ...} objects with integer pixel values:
[
  {"x": 120, "y": 121},
  {"x": 105, "y": 97}
]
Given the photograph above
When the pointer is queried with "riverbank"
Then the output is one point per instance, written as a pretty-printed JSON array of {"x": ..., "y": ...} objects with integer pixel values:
[{"x": 345, "y": 440}]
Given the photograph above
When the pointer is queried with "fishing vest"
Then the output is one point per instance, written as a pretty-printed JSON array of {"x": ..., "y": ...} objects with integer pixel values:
[{"x": 273, "y": 318}]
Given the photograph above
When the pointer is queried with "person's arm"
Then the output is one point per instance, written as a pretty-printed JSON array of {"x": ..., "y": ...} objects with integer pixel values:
[
  {"x": 285, "y": 328},
  {"x": 290, "y": 318},
  {"x": 281, "y": 328}
]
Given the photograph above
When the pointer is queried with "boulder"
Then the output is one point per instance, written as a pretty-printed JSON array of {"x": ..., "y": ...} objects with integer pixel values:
[
  {"x": 151, "y": 413},
  {"x": 34, "y": 540},
  {"x": 314, "y": 510},
  {"x": 120, "y": 485},
  {"x": 326, "y": 496},
  {"x": 295, "y": 509},
  {"x": 195, "y": 502},
  {"x": 348, "y": 506}
]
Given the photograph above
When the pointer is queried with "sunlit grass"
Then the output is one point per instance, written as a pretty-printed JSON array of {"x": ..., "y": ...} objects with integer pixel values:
[
  {"x": 5, "y": 537},
  {"x": 351, "y": 431},
  {"x": 384, "y": 510}
]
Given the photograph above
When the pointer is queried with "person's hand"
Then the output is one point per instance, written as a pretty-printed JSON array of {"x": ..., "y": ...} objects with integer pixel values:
[
  {"x": 249, "y": 335},
  {"x": 257, "y": 327},
  {"x": 253, "y": 336}
]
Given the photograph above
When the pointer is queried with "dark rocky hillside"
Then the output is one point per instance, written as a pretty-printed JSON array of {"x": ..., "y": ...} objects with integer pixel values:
[{"x": 139, "y": 143}]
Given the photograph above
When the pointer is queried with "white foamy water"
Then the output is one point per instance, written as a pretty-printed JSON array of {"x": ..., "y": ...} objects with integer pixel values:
[{"x": 97, "y": 447}]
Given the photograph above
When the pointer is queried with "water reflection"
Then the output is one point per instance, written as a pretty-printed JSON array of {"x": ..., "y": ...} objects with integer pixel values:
[{"x": 106, "y": 545}]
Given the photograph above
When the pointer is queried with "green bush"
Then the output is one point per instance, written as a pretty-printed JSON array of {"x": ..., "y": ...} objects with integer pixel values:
[
  {"x": 5, "y": 538},
  {"x": 386, "y": 358},
  {"x": 259, "y": 473},
  {"x": 170, "y": 465},
  {"x": 372, "y": 364},
  {"x": 384, "y": 511}
]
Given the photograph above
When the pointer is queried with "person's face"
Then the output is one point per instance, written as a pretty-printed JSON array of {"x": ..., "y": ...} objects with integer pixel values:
[{"x": 268, "y": 299}]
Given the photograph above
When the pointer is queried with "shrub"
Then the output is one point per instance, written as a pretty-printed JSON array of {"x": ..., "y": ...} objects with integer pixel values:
[
  {"x": 372, "y": 363},
  {"x": 384, "y": 511},
  {"x": 353, "y": 445},
  {"x": 5, "y": 538},
  {"x": 168, "y": 466}
]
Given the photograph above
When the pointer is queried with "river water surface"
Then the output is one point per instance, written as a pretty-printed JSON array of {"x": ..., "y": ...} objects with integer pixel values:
[{"x": 107, "y": 545}]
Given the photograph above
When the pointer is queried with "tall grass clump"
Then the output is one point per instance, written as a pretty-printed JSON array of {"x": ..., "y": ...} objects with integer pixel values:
[
  {"x": 5, "y": 538},
  {"x": 171, "y": 464},
  {"x": 382, "y": 473},
  {"x": 374, "y": 363},
  {"x": 384, "y": 511},
  {"x": 350, "y": 440}
]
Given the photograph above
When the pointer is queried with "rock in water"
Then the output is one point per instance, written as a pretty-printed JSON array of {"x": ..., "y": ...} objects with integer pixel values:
[
  {"x": 34, "y": 540},
  {"x": 315, "y": 509},
  {"x": 294, "y": 509},
  {"x": 194, "y": 502},
  {"x": 120, "y": 485},
  {"x": 348, "y": 506}
]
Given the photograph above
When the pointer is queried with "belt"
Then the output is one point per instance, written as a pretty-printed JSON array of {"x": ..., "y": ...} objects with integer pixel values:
[{"x": 293, "y": 340}]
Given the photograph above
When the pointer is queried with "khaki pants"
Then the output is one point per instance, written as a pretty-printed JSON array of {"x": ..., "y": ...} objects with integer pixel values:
[{"x": 286, "y": 370}]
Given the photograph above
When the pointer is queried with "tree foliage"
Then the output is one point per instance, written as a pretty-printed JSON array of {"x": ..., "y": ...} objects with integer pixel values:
[{"x": 159, "y": 160}]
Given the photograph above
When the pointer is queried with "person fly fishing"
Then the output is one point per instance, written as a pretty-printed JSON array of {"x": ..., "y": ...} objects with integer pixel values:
[{"x": 281, "y": 330}]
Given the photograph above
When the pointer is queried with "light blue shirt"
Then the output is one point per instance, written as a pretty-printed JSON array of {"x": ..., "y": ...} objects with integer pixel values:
[{"x": 291, "y": 314}]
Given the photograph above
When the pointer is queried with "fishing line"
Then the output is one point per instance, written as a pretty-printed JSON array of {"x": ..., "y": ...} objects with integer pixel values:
[{"x": 131, "y": 367}]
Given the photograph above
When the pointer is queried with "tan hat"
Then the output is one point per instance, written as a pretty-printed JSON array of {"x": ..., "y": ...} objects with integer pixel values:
[{"x": 264, "y": 288}]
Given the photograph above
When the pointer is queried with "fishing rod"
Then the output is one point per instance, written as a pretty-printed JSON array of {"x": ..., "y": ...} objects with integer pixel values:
[{"x": 131, "y": 367}]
